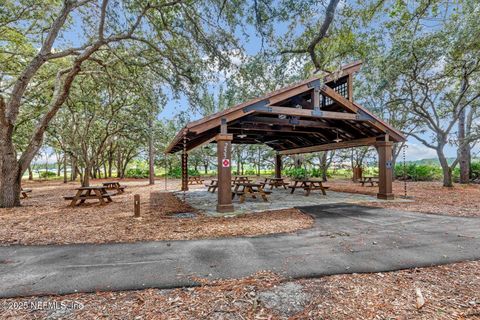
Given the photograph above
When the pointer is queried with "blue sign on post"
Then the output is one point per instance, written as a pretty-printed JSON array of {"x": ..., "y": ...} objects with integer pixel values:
[{"x": 388, "y": 164}]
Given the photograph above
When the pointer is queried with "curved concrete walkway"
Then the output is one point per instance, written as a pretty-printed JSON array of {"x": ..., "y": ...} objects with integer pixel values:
[{"x": 345, "y": 239}]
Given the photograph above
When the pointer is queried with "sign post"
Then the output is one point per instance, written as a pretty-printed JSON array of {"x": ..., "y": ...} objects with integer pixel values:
[
  {"x": 385, "y": 170},
  {"x": 224, "y": 153}
]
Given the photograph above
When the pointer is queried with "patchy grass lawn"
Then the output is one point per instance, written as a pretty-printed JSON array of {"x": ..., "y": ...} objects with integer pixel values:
[
  {"x": 449, "y": 292},
  {"x": 45, "y": 218},
  {"x": 428, "y": 197}
]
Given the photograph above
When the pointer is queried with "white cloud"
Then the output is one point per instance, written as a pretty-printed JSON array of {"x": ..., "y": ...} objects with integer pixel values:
[{"x": 417, "y": 151}]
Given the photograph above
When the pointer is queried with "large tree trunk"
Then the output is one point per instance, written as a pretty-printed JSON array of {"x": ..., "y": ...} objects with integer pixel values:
[
  {"x": 86, "y": 175},
  {"x": 74, "y": 172},
  {"x": 110, "y": 164},
  {"x": 59, "y": 166},
  {"x": 239, "y": 159},
  {"x": 30, "y": 173},
  {"x": 324, "y": 165},
  {"x": 463, "y": 150},
  {"x": 65, "y": 168},
  {"x": 447, "y": 170},
  {"x": 151, "y": 155},
  {"x": 10, "y": 173}
]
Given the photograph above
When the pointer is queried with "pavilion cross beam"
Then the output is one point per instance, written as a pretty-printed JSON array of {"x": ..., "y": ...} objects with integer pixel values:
[
  {"x": 332, "y": 146},
  {"x": 308, "y": 113}
]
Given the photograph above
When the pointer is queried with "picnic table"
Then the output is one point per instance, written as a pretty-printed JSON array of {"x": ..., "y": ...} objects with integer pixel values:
[
  {"x": 25, "y": 192},
  {"x": 369, "y": 179},
  {"x": 114, "y": 185},
  {"x": 250, "y": 189},
  {"x": 195, "y": 180},
  {"x": 212, "y": 187},
  {"x": 86, "y": 193},
  {"x": 308, "y": 185},
  {"x": 276, "y": 182},
  {"x": 241, "y": 179}
]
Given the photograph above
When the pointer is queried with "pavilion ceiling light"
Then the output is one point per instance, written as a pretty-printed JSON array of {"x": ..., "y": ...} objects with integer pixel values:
[
  {"x": 338, "y": 139},
  {"x": 241, "y": 136}
]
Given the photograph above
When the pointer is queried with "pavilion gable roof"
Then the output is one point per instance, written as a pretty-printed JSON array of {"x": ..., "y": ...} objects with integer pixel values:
[{"x": 299, "y": 103}]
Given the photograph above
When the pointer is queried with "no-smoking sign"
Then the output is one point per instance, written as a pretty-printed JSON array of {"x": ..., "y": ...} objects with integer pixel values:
[{"x": 226, "y": 163}]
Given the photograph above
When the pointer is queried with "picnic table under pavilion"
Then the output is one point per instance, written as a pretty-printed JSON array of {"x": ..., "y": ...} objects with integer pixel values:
[
  {"x": 369, "y": 179},
  {"x": 251, "y": 190},
  {"x": 195, "y": 180},
  {"x": 276, "y": 182},
  {"x": 308, "y": 185}
]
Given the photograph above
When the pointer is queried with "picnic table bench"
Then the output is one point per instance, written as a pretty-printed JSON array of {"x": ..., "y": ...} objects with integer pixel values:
[
  {"x": 212, "y": 187},
  {"x": 369, "y": 179},
  {"x": 249, "y": 189},
  {"x": 114, "y": 185},
  {"x": 195, "y": 180},
  {"x": 86, "y": 193},
  {"x": 25, "y": 192},
  {"x": 308, "y": 186},
  {"x": 276, "y": 182}
]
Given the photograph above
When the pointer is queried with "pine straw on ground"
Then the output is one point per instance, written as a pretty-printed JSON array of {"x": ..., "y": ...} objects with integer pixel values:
[
  {"x": 428, "y": 197},
  {"x": 45, "y": 218},
  {"x": 450, "y": 292}
]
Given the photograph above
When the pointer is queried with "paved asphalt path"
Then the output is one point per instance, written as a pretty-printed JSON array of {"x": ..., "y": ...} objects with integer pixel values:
[{"x": 344, "y": 239}]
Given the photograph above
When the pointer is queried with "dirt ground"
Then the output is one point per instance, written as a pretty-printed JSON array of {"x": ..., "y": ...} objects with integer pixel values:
[
  {"x": 449, "y": 292},
  {"x": 45, "y": 218},
  {"x": 428, "y": 197}
]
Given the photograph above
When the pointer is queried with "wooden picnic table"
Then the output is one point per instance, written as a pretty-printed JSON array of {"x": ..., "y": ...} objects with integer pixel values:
[
  {"x": 241, "y": 179},
  {"x": 86, "y": 193},
  {"x": 25, "y": 192},
  {"x": 308, "y": 185},
  {"x": 195, "y": 180},
  {"x": 369, "y": 179},
  {"x": 249, "y": 189},
  {"x": 276, "y": 182},
  {"x": 114, "y": 185},
  {"x": 212, "y": 187}
]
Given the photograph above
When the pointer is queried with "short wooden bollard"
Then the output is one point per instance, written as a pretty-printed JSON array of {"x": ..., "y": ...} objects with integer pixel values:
[{"x": 136, "y": 205}]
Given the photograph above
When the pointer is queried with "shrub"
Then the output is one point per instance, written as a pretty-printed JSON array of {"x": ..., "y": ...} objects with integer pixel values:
[
  {"x": 475, "y": 168},
  {"x": 474, "y": 171},
  {"x": 296, "y": 173},
  {"x": 177, "y": 173},
  {"x": 46, "y": 174},
  {"x": 137, "y": 173},
  {"x": 418, "y": 172}
]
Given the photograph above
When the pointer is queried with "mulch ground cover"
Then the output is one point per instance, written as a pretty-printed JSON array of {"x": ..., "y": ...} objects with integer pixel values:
[
  {"x": 45, "y": 218},
  {"x": 427, "y": 197},
  {"x": 444, "y": 292}
]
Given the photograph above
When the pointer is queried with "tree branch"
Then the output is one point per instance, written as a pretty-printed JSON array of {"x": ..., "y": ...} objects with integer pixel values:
[{"x": 101, "y": 24}]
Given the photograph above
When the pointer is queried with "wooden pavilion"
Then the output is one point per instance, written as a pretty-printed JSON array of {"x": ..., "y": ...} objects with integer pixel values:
[{"x": 310, "y": 116}]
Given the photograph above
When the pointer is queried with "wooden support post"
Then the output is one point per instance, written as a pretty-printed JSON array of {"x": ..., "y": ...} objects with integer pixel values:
[
  {"x": 385, "y": 170},
  {"x": 278, "y": 165},
  {"x": 350, "y": 87},
  {"x": 224, "y": 169},
  {"x": 136, "y": 205},
  {"x": 316, "y": 99}
]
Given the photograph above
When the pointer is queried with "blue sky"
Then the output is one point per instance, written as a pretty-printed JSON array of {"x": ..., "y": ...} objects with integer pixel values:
[{"x": 251, "y": 46}]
